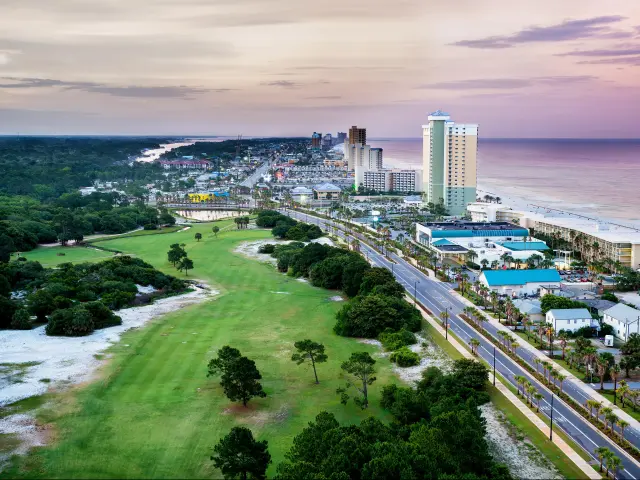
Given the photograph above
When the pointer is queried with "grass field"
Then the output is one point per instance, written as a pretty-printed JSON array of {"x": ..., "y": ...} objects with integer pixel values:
[
  {"x": 48, "y": 256},
  {"x": 154, "y": 413}
]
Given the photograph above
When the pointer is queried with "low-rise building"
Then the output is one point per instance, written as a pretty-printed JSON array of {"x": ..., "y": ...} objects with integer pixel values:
[
  {"x": 185, "y": 164},
  {"x": 624, "y": 320},
  {"x": 530, "y": 307},
  {"x": 570, "y": 319},
  {"x": 519, "y": 282},
  {"x": 327, "y": 191},
  {"x": 301, "y": 195}
]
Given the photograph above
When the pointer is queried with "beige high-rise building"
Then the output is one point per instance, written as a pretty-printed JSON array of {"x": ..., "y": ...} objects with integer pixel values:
[{"x": 449, "y": 156}]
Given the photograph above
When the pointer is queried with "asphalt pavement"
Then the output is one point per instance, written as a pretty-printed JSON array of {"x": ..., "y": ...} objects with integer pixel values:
[{"x": 438, "y": 297}]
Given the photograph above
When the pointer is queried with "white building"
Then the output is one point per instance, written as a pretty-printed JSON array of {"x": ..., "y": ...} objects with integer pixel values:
[
  {"x": 530, "y": 307},
  {"x": 393, "y": 180},
  {"x": 570, "y": 319},
  {"x": 493, "y": 212},
  {"x": 624, "y": 320},
  {"x": 516, "y": 283},
  {"x": 302, "y": 195},
  {"x": 375, "y": 158}
]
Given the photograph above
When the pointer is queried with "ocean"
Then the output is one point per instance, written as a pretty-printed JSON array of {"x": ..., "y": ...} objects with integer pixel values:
[{"x": 595, "y": 178}]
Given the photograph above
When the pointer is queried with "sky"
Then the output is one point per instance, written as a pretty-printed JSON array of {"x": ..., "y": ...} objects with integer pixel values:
[{"x": 543, "y": 68}]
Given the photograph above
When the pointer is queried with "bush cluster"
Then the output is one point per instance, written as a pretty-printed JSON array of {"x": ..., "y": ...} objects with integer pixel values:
[
  {"x": 395, "y": 340},
  {"x": 286, "y": 227},
  {"x": 404, "y": 357}
]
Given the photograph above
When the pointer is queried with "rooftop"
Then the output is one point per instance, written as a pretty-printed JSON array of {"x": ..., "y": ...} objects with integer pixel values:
[
  {"x": 497, "y": 278},
  {"x": 623, "y": 313},
  {"x": 518, "y": 246},
  {"x": 530, "y": 307},
  {"x": 475, "y": 229},
  {"x": 327, "y": 187},
  {"x": 569, "y": 313}
]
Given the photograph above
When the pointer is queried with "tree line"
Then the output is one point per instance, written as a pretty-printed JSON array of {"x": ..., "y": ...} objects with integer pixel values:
[{"x": 75, "y": 300}]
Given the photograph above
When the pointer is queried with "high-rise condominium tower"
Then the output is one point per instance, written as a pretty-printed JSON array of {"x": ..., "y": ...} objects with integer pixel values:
[
  {"x": 357, "y": 135},
  {"x": 449, "y": 153}
]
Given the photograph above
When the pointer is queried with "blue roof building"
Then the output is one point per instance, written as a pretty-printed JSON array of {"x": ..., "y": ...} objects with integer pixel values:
[{"x": 519, "y": 282}]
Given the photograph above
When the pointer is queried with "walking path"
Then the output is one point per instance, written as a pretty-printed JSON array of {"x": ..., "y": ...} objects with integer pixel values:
[{"x": 582, "y": 464}]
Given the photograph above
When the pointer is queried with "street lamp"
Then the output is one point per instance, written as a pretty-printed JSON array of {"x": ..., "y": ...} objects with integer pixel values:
[{"x": 551, "y": 422}]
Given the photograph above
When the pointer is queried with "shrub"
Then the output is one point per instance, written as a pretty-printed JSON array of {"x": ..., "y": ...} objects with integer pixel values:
[
  {"x": 117, "y": 299},
  {"x": 266, "y": 248},
  {"x": 150, "y": 226},
  {"x": 395, "y": 340},
  {"x": 70, "y": 322},
  {"x": 21, "y": 320},
  {"x": 405, "y": 358},
  {"x": 101, "y": 315},
  {"x": 610, "y": 296}
]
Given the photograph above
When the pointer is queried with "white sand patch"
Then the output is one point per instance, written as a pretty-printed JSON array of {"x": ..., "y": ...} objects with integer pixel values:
[
  {"x": 430, "y": 356},
  {"x": 302, "y": 280},
  {"x": 336, "y": 298},
  {"x": 250, "y": 249},
  {"x": 65, "y": 360},
  {"x": 508, "y": 446},
  {"x": 183, "y": 229},
  {"x": 145, "y": 289},
  {"x": 281, "y": 293},
  {"x": 27, "y": 433},
  {"x": 324, "y": 241}
]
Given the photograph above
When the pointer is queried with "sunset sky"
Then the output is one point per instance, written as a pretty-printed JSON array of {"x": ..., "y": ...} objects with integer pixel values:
[{"x": 561, "y": 68}]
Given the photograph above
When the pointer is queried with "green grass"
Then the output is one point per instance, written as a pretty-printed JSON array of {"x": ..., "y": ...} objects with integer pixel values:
[
  {"x": 48, "y": 256},
  {"x": 608, "y": 394},
  {"x": 154, "y": 413},
  {"x": 137, "y": 233}
]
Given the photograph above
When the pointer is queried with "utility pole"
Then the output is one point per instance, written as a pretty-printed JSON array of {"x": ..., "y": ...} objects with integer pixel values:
[{"x": 494, "y": 366}]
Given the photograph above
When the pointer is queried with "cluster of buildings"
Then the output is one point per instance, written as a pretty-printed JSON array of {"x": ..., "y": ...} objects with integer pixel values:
[
  {"x": 369, "y": 172},
  {"x": 327, "y": 141},
  {"x": 593, "y": 239},
  {"x": 186, "y": 163}
]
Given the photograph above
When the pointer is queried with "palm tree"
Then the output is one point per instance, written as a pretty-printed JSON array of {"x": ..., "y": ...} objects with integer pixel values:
[
  {"x": 606, "y": 412},
  {"x": 444, "y": 316},
  {"x": 614, "y": 463},
  {"x": 550, "y": 333},
  {"x": 591, "y": 405},
  {"x": 601, "y": 364},
  {"x": 494, "y": 264},
  {"x": 484, "y": 262},
  {"x": 537, "y": 361},
  {"x": 612, "y": 418},
  {"x": 494, "y": 301},
  {"x": 531, "y": 390},
  {"x": 527, "y": 323},
  {"x": 547, "y": 369},
  {"x": 514, "y": 345},
  {"x": 520, "y": 382},
  {"x": 622, "y": 391},
  {"x": 561, "y": 378},
  {"x": 542, "y": 328},
  {"x": 602, "y": 453},
  {"x": 614, "y": 373},
  {"x": 538, "y": 396},
  {"x": 563, "y": 337},
  {"x": 622, "y": 424},
  {"x": 475, "y": 343}
]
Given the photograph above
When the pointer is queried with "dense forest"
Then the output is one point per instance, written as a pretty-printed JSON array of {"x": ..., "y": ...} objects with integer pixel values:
[{"x": 39, "y": 198}]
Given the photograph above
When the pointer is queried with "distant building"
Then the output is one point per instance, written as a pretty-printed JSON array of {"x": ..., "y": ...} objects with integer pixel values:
[
  {"x": 357, "y": 135},
  {"x": 449, "y": 162},
  {"x": 327, "y": 142},
  {"x": 327, "y": 191},
  {"x": 87, "y": 190},
  {"x": 341, "y": 137},
  {"x": 316, "y": 140},
  {"x": 624, "y": 320},
  {"x": 570, "y": 319},
  {"x": 302, "y": 195},
  {"x": 185, "y": 164},
  {"x": 518, "y": 282},
  {"x": 378, "y": 180},
  {"x": 375, "y": 159}
]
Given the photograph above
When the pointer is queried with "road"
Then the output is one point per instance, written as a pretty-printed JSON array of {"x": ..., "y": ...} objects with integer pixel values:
[
  {"x": 252, "y": 179},
  {"x": 438, "y": 297}
]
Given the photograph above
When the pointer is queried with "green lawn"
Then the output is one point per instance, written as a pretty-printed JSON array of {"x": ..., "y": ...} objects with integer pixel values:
[
  {"x": 154, "y": 413},
  {"x": 49, "y": 256}
]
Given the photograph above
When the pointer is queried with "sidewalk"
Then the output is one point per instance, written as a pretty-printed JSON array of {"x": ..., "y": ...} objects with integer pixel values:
[
  {"x": 582, "y": 464},
  {"x": 586, "y": 389}
]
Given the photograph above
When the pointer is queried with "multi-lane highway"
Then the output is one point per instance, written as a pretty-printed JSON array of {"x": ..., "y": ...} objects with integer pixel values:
[{"x": 438, "y": 297}]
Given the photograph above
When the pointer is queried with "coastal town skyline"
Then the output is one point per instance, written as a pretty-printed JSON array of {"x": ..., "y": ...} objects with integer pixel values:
[{"x": 283, "y": 69}]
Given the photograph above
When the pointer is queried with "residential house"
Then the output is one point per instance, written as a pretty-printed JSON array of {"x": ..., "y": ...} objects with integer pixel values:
[
  {"x": 519, "y": 282},
  {"x": 570, "y": 319},
  {"x": 624, "y": 320}
]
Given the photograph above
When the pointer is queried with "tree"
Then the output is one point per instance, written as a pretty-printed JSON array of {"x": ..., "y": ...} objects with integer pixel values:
[
  {"x": 198, "y": 236},
  {"x": 239, "y": 456},
  {"x": 185, "y": 264},
  {"x": 175, "y": 254},
  {"x": 564, "y": 340},
  {"x": 602, "y": 453},
  {"x": 622, "y": 424},
  {"x": 360, "y": 367},
  {"x": 215, "y": 229},
  {"x": 604, "y": 361},
  {"x": 239, "y": 375},
  {"x": 309, "y": 350},
  {"x": 21, "y": 320}
]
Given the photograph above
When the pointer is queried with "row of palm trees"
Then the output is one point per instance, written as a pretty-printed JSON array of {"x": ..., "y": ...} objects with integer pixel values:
[
  {"x": 529, "y": 392},
  {"x": 598, "y": 412},
  {"x": 612, "y": 462},
  {"x": 549, "y": 373}
]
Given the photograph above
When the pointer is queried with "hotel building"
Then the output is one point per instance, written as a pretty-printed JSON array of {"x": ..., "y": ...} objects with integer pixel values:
[{"x": 449, "y": 162}]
